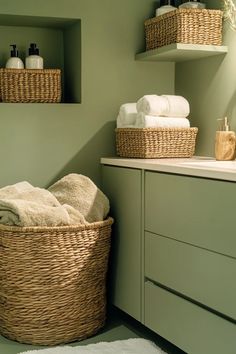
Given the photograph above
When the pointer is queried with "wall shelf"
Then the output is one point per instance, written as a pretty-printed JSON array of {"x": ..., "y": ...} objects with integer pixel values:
[
  {"x": 59, "y": 42},
  {"x": 181, "y": 52}
]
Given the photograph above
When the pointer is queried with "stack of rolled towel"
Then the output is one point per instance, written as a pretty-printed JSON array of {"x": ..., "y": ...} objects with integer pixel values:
[{"x": 153, "y": 111}]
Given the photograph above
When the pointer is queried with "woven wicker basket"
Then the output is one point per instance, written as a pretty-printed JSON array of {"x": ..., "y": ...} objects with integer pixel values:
[
  {"x": 27, "y": 85},
  {"x": 155, "y": 142},
  {"x": 52, "y": 282},
  {"x": 190, "y": 26}
]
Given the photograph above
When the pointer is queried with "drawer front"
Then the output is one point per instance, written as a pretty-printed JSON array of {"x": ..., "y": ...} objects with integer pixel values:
[
  {"x": 195, "y": 210},
  {"x": 204, "y": 276},
  {"x": 187, "y": 325}
]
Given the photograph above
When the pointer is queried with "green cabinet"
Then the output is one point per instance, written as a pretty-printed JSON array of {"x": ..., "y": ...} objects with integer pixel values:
[
  {"x": 123, "y": 188},
  {"x": 193, "y": 210},
  {"x": 190, "y": 327},
  {"x": 194, "y": 272},
  {"x": 174, "y": 255}
]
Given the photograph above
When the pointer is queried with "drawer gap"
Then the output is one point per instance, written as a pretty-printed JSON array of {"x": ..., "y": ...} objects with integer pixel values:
[
  {"x": 190, "y": 244},
  {"x": 228, "y": 318}
]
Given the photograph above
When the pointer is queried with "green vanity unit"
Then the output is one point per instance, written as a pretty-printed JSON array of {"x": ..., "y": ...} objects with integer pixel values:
[{"x": 174, "y": 250}]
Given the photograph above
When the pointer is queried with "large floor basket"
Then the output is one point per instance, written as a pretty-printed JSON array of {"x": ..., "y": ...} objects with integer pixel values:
[{"x": 53, "y": 282}]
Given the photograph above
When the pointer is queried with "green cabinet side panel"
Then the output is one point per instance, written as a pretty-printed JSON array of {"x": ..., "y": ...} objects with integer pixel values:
[
  {"x": 195, "y": 210},
  {"x": 204, "y": 276},
  {"x": 187, "y": 325},
  {"x": 123, "y": 188}
]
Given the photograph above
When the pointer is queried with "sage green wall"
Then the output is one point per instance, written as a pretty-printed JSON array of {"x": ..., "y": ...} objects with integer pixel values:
[
  {"x": 42, "y": 142},
  {"x": 209, "y": 85}
]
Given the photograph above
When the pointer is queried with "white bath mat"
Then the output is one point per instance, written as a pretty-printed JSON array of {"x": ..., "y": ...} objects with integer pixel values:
[{"x": 128, "y": 346}]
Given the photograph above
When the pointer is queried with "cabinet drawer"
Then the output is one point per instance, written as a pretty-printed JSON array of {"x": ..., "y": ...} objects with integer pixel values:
[
  {"x": 187, "y": 325},
  {"x": 204, "y": 276},
  {"x": 195, "y": 210}
]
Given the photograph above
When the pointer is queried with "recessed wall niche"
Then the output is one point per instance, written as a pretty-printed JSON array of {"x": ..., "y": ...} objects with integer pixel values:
[{"x": 59, "y": 42}]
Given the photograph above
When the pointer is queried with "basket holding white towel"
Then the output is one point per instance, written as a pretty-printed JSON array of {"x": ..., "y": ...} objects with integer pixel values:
[
  {"x": 127, "y": 115},
  {"x": 147, "y": 121},
  {"x": 164, "y": 105}
]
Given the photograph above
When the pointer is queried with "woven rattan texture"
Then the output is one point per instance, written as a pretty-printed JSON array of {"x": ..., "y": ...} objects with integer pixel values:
[
  {"x": 53, "y": 282},
  {"x": 155, "y": 142},
  {"x": 189, "y": 26},
  {"x": 26, "y": 85}
]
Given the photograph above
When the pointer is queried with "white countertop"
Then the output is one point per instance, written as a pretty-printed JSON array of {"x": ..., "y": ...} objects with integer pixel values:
[{"x": 196, "y": 166}]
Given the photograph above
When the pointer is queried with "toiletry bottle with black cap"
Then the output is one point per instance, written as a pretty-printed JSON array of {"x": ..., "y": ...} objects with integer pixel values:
[
  {"x": 14, "y": 62},
  {"x": 194, "y": 4},
  {"x": 165, "y": 6},
  {"x": 33, "y": 61}
]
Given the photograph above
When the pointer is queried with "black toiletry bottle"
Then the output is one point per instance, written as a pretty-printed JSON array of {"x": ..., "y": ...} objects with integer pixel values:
[
  {"x": 165, "y": 6},
  {"x": 194, "y": 4},
  {"x": 167, "y": 2}
]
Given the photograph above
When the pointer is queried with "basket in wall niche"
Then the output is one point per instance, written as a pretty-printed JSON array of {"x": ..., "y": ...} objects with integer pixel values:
[
  {"x": 155, "y": 142},
  {"x": 30, "y": 85},
  {"x": 189, "y": 26},
  {"x": 53, "y": 282}
]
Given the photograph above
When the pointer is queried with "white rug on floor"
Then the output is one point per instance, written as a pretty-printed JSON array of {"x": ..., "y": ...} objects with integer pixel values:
[{"x": 128, "y": 346}]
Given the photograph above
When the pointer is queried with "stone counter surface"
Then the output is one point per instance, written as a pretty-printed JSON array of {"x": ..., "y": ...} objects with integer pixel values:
[{"x": 198, "y": 166}]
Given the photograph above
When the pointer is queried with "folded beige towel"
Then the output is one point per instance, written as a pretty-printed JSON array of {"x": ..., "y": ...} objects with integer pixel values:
[
  {"x": 22, "y": 204},
  {"x": 82, "y": 194}
]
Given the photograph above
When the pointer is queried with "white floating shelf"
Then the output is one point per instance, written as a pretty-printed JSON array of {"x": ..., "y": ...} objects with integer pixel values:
[{"x": 181, "y": 52}]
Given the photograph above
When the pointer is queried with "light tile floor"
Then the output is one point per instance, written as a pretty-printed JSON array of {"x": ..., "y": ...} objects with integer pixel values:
[{"x": 119, "y": 326}]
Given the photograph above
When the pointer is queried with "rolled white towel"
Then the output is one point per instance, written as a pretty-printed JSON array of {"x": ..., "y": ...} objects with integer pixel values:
[
  {"x": 127, "y": 115},
  {"x": 147, "y": 121},
  {"x": 153, "y": 105},
  {"x": 178, "y": 106},
  {"x": 164, "y": 105}
]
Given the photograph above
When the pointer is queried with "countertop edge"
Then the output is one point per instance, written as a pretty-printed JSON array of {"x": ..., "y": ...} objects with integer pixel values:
[{"x": 174, "y": 166}]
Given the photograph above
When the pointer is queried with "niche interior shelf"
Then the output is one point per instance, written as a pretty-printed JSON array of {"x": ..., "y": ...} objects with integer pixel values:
[
  {"x": 59, "y": 42},
  {"x": 181, "y": 52}
]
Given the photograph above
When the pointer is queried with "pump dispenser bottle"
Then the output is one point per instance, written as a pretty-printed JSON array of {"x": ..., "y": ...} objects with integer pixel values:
[
  {"x": 194, "y": 4},
  {"x": 225, "y": 142},
  {"x": 165, "y": 6},
  {"x": 33, "y": 61},
  {"x": 14, "y": 62}
]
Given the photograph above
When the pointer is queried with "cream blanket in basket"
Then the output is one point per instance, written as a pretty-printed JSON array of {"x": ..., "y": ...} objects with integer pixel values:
[
  {"x": 82, "y": 194},
  {"x": 22, "y": 204}
]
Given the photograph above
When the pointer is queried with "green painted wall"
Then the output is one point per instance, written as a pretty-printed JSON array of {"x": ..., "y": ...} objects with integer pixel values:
[
  {"x": 209, "y": 85},
  {"x": 42, "y": 142}
]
